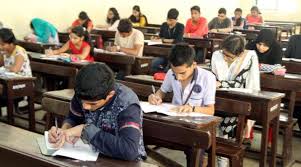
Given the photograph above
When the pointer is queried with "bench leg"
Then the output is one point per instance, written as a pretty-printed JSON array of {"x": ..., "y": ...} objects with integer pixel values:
[
  {"x": 194, "y": 157},
  {"x": 287, "y": 154}
]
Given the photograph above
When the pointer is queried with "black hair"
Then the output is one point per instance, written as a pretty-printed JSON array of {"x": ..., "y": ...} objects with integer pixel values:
[
  {"x": 173, "y": 13},
  {"x": 115, "y": 17},
  {"x": 181, "y": 54},
  {"x": 82, "y": 32},
  {"x": 137, "y": 8},
  {"x": 222, "y": 11},
  {"x": 7, "y": 36},
  {"x": 94, "y": 82},
  {"x": 125, "y": 25},
  {"x": 234, "y": 44},
  {"x": 84, "y": 16},
  {"x": 238, "y": 22},
  {"x": 255, "y": 8},
  {"x": 196, "y": 8}
]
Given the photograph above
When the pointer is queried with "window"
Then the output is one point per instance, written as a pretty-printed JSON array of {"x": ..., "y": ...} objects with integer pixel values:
[{"x": 279, "y": 5}]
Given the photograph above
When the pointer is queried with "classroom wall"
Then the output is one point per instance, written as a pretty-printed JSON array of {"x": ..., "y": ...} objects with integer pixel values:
[{"x": 62, "y": 12}]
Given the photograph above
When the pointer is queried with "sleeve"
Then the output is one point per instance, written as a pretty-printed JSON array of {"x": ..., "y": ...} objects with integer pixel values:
[
  {"x": 277, "y": 54},
  {"x": 179, "y": 33},
  {"x": 139, "y": 39},
  {"x": 214, "y": 63},
  {"x": 114, "y": 26},
  {"x": 187, "y": 27},
  {"x": 117, "y": 37},
  {"x": 124, "y": 145},
  {"x": 211, "y": 24},
  {"x": 167, "y": 83},
  {"x": 210, "y": 90},
  {"x": 142, "y": 21},
  {"x": 253, "y": 81},
  {"x": 44, "y": 37},
  {"x": 162, "y": 29},
  {"x": 75, "y": 116}
]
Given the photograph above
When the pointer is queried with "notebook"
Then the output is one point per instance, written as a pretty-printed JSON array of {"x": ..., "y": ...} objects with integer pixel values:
[
  {"x": 78, "y": 151},
  {"x": 167, "y": 109}
]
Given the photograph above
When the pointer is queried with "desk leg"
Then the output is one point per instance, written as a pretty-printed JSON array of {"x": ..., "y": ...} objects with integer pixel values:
[
  {"x": 10, "y": 111},
  {"x": 32, "y": 121},
  {"x": 212, "y": 149},
  {"x": 275, "y": 127},
  {"x": 264, "y": 144},
  {"x": 193, "y": 157}
]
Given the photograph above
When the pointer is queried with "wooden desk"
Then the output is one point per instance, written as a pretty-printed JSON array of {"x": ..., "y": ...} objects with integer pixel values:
[
  {"x": 265, "y": 111},
  {"x": 250, "y": 34},
  {"x": 105, "y": 34},
  {"x": 18, "y": 87},
  {"x": 36, "y": 47},
  {"x": 19, "y": 147},
  {"x": 148, "y": 29},
  {"x": 292, "y": 66}
]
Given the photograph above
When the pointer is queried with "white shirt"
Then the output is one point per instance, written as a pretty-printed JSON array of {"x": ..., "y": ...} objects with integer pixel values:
[
  {"x": 203, "y": 88},
  {"x": 136, "y": 38},
  {"x": 224, "y": 72},
  {"x": 114, "y": 26}
]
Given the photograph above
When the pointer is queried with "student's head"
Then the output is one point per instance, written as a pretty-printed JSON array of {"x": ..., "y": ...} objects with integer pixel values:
[
  {"x": 238, "y": 13},
  {"x": 83, "y": 17},
  {"x": 222, "y": 14},
  {"x": 255, "y": 11},
  {"x": 182, "y": 60},
  {"x": 125, "y": 28},
  {"x": 195, "y": 13},
  {"x": 172, "y": 16},
  {"x": 136, "y": 11},
  {"x": 78, "y": 34},
  {"x": 94, "y": 86},
  {"x": 7, "y": 40},
  {"x": 112, "y": 15},
  {"x": 233, "y": 46},
  {"x": 264, "y": 40}
]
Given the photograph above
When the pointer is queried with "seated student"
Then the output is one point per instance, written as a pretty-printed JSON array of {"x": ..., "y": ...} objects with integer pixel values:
[
  {"x": 196, "y": 26},
  {"x": 103, "y": 113},
  {"x": 43, "y": 32},
  {"x": 235, "y": 67},
  {"x": 78, "y": 45},
  {"x": 172, "y": 31},
  {"x": 238, "y": 21},
  {"x": 137, "y": 18},
  {"x": 267, "y": 48},
  {"x": 13, "y": 57},
  {"x": 294, "y": 47},
  {"x": 84, "y": 21},
  {"x": 221, "y": 23},
  {"x": 193, "y": 87},
  {"x": 255, "y": 17},
  {"x": 112, "y": 20},
  {"x": 128, "y": 39}
]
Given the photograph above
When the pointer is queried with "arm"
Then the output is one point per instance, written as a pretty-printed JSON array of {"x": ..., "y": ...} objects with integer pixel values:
[
  {"x": 90, "y": 26},
  {"x": 124, "y": 145},
  {"x": 75, "y": 116},
  {"x": 63, "y": 49},
  {"x": 132, "y": 51},
  {"x": 180, "y": 33},
  {"x": 19, "y": 60}
]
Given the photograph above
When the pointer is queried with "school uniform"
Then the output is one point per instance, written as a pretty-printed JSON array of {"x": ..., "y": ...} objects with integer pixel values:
[{"x": 115, "y": 130}]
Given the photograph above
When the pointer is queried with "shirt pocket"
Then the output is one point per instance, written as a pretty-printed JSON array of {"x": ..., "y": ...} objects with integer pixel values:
[{"x": 196, "y": 100}]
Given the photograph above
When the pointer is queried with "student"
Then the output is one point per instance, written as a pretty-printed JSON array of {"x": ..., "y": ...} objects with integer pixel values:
[
  {"x": 128, "y": 39},
  {"x": 267, "y": 48},
  {"x": 137, "y": 18},
  {"x": 235, "y": 67},
  {"x": 294, "y": 47},
  {"x": 84, "y": 21},
  {"x": 78, "y": 45},
  {"x": 196, "y": 26},
  {"x": 112, "y": 20},
  {"x": 238, "y": 21},
  {"x": 13, "y": 57},
  {"x": 172, "y": 31},
  {"x": 255, "y": 17},
  {"x": 43, "y": 32},
  {"x": 193, "y": 87},
  {"x": 221, "y": 23},
  {"x": 103, "y": 113}
]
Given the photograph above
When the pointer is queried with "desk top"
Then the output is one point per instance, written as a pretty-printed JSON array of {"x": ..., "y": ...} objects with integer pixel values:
[{"x": 23, "y": 144}]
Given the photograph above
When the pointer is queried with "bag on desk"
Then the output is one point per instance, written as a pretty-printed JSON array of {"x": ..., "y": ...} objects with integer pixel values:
[{"x": 159, "y": 76}]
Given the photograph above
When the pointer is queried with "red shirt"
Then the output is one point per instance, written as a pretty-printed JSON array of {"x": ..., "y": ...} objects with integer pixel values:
[
  {"x": 77, "y": 23},
  {"x": 198, "y": 30},
  {"x": 74, "y": 50},
  {"x": 254, "y": 20}
]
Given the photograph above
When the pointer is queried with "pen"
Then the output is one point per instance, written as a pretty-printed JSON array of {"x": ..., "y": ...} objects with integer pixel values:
[
  {"x": 154, "y": 90},
  {"x": 56, "y": 125}
]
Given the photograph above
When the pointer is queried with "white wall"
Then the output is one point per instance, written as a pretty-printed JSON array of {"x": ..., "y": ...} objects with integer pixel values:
[{"x": 17, "y": 14}]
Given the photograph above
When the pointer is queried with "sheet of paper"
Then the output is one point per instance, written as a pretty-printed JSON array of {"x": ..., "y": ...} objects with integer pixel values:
[
  {"x": 108, "y": 52},
  {"x": 153, "y": 42},
  {"x": 78, "y": 151},
  {"x": 243, "y": 90},
  {"x": 167, "y": 109}
]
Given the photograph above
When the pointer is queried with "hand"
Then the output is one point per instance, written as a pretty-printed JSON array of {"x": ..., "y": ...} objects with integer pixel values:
[
  {"x": 218, "y": 84},
  {"x": 213, "y": 30},
  {"x": 49, "y": 52},
  {"x": 54, "y": 134},
  {"x": 155, "y": 38},
  {"x": 73, "y": 134},
  {"x": 65, "y": 55},
  {"x": 154, "y": 99},
  {"x": 112, "y": 49},
  {"x": 185, "y": 108}
]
